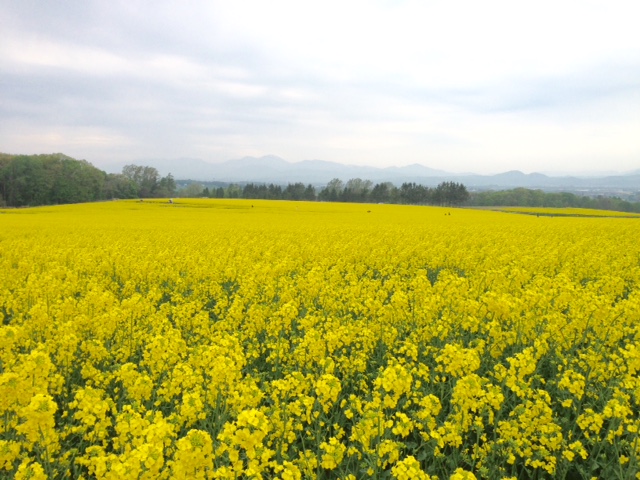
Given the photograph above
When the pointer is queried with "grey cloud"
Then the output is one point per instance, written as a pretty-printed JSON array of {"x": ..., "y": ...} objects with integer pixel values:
[
  {"x": 561, "y": 93},
  {"x": 224, "y": 87},
  {"x": 527, "y": 94},
  {"x": 128, "y": 32}
]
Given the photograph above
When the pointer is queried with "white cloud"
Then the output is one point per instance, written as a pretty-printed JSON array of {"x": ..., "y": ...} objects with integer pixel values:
[{"x": 453, "y": 84}]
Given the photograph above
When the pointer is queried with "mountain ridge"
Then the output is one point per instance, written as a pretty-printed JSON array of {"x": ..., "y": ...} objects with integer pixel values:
[{"x": 274, "y": 169}]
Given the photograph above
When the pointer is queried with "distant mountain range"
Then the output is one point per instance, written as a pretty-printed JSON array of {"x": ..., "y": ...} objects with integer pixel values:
[{"x": 272, "y": 169}]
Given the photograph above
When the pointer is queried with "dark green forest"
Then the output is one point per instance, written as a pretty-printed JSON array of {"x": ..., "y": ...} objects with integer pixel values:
[
  {"x": 523, "y": 197},
  {"x": 51, "y": 179},
  {"x": 446, "y": 194},
  {"x": 358, "y": 191}
]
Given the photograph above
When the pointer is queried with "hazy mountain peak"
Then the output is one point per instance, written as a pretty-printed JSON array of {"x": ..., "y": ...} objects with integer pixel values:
[
  {"x": 264, "y": 161},
  {"x": 274, "y": 169}
]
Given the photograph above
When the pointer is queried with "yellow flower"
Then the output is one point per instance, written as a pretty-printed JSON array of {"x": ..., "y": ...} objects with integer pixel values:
[
  {"x": 461, "y": 474},
  {"x": 93, "y": 411},
  {"x": 30, "y": 471},
  {"x": 193, "y": 457},
  {"x": 38, "y": 423},
  {"x": 328, "y": 388},
  {"x": 408, "y": 469},
  {"x": 333, "y": 453},
  {"x": 192, "y": 407},
  {"x": 573, "y": 382},
  {"x": 457, "y": 361},
  {"x": 292, "y": 324},
  {"x": 9, "y": 452},
  {"x": 288, "y": 471},
  {"x": 388, "y": 453},
  {"x": 403, "y": 425},
  {"x": 396, "y": 381},
  {"x": 590, "y": 421}
]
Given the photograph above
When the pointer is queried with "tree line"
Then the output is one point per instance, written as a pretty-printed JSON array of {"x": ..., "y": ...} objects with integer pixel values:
[
  {"x": 50, "y": 179},
  {"x": 523, "y": 197},
  {"x": 447, "y": 193},
  {"x": 358, "y": 190},
  {"x": 354, "y": 190}
]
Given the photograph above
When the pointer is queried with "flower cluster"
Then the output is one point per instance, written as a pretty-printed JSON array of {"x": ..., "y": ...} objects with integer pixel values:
[{"x": 222, "y": 339}]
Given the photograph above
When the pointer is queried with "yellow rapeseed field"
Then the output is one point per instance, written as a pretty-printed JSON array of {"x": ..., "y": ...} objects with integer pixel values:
[
  {"x": 567, "y": 212},
  {"x": 254, "y": 339}
]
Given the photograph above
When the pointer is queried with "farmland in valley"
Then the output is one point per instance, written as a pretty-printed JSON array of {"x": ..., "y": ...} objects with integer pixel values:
[{"x": 261, "y": 339}]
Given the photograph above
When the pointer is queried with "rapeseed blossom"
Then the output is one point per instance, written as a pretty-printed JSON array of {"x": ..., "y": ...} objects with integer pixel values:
[
  {"x": 291, "y": 340},
  {"x": 408, "y": 469}
]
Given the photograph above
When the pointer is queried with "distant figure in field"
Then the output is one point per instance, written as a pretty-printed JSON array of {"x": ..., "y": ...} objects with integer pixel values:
[{"x": 171, "y": 200}]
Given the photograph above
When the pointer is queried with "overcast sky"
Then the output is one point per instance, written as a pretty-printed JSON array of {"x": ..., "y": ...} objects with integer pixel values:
[{"x": 482, "y": 86}]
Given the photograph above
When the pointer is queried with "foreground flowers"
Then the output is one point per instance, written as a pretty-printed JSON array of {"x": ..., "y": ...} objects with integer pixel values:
[{"x": 214, "y": 339}]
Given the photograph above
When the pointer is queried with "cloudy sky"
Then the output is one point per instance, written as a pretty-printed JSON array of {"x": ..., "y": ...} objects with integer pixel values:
[{"x": 485, "y": 86}]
